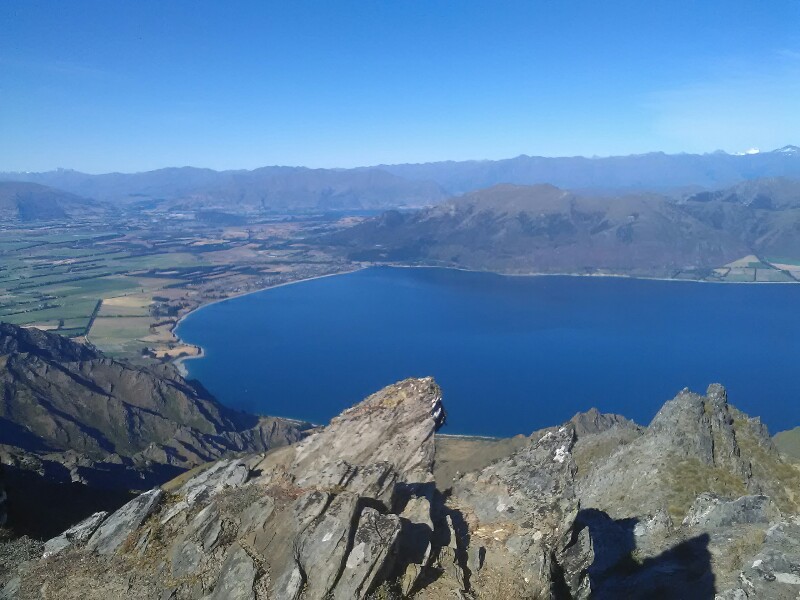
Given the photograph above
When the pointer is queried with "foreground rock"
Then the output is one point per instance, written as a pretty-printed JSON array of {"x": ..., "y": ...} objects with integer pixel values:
[
  {"x": 697, "y": 505},
  {"x": 77, "y": 534}
]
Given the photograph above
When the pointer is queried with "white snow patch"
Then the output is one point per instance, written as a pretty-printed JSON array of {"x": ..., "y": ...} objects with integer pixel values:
[{"x": 561, "y": 454}]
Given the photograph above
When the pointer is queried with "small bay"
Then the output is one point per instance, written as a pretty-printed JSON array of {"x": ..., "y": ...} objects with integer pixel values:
[{"x": 512, "y": 354}]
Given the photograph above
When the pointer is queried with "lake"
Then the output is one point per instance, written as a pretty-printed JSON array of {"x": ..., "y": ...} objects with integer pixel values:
[{"x": 512, "y": 354}]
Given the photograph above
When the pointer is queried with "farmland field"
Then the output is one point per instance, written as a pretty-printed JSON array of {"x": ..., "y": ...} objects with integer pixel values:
[{"x": 123, "y": 286}]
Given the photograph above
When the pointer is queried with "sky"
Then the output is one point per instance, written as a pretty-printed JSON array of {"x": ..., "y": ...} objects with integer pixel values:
[{"x": 134, "y": 85}]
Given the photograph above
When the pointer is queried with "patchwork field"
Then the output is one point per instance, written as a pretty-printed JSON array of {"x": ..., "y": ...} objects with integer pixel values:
[{"x": 123, "y": 286}]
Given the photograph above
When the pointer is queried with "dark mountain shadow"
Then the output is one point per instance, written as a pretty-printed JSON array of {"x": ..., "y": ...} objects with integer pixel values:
[
  {"x": 31, "y": 498},
  {"x": 683, "y": 571},
  {"x": 12, "y": 434}
]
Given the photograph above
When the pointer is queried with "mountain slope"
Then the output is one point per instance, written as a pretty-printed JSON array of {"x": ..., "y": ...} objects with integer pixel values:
[
  {"x": 764, "y": 214},
  {"x": 524, "y": 229},
  {"x": 33, "y": 202},
  {"x": 60, "y": 398}
]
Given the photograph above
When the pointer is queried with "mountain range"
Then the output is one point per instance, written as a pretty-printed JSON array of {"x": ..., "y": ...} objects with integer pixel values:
[
  {"x": 270, "y": 189},
  {"x": 541, "y": 228},
  {"x": 654, "y": 171},
  {"x": 267, "y": 189}
]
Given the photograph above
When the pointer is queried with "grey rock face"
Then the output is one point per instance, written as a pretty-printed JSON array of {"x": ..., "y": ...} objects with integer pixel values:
[
  {"x": 593, "y": 422},
  {"x": 525, "y": 506},
  {"x": 323, "y": 546},
  {"x": 690, "y": 434},
  {"x": 373, "y": 543},
  {"x": 235, "y": 581},
  {"x": 711, "y": 511},
  {"x": 116, "y": 528},
  {"x": 774, "y": 572},
  {"x": 75, "y": 535},
  {"x": 403, "y": 417},
  {"x": 659, "y": 524}
]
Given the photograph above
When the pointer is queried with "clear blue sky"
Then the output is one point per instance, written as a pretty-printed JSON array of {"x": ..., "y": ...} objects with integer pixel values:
[{"x": 136, "y": 85}]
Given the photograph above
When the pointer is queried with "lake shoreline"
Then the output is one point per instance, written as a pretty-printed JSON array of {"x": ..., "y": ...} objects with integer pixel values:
[
  {"x": 587, "y": 275},
  {"x": 179, "y": 362},
  {"x": 184, "y": 372},
  {"x": 296, "y": 336}
]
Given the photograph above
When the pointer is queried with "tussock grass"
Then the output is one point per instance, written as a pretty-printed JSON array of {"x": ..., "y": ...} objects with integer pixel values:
[{"x": 690, "y": 478}]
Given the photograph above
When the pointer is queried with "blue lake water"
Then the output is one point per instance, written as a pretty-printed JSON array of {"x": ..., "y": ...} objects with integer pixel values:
[{"x": 512, "y": 354}]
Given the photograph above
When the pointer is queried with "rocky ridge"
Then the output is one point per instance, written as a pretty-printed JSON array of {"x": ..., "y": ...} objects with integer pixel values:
[
  {"x": 61, "y": 396},
  {"x": 354, "y": 511},
  {"x": 73, "y": 421}
]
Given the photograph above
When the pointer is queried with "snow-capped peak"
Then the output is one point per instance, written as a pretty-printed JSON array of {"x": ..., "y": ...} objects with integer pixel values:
[
  {"x": 788, "y": 150},
  {"x": 748, "y": 151}
]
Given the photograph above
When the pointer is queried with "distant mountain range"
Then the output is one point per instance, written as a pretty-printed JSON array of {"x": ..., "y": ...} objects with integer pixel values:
[
  {"x": 268, "y": 189},
  {"x": 541, "y": 228},
  {"x": 271, "y": 189},
  {"x": 654, "y": 171},
  {"x": 33, "y": 202}
]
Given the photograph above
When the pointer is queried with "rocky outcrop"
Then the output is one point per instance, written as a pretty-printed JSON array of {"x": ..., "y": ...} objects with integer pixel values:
[
  {"x": 76, "y": 535},
  {"x": 522, "y": 510},
  {"x": 710, "y": 510},
  {"x": 691, "y": 443},
  {"x": 774, "y": 571},
  {"x": 115, "y": 529},
  {"x": 353, "y": 511},
  {"x": 686, "y": 500},
  {"x": 593, "y": 422}
]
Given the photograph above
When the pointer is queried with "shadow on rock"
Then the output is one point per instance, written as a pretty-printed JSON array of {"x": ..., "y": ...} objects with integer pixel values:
[{"x": 683, "y": 571}]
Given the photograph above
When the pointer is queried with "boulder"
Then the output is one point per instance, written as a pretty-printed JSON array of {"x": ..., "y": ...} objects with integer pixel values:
[
  {"x": 710, "y": 511},
  {"x": 75, "y": 535},
  {"x": 125, "y": 521},
  {"x": 237, "y": 577},
  {"x": 774, "y": 572},
  {"x": 373, "y": 545}
]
